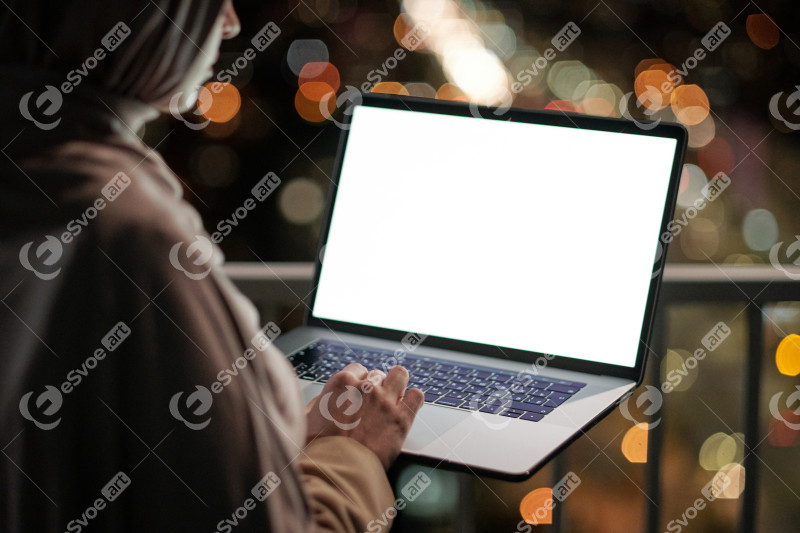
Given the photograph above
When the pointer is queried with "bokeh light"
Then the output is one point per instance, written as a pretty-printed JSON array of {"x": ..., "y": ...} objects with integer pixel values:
[
  {"x": 762, "y": 30},
  {"x": 315, "y": 101},
  {"x": 422, "y": 90},
  {"x": 301, "y": 201},
  {"x": 322, "y": 72},
  {"x": 787, "y": 356},
  {"x": 649, "y": 88},
  {"x": 719, "y": 450},
  {"x": 219, "y": 102},
  {"x": 390, "y": 87},
  {"x": 634, "y": 444},
  {"x": 564, "y": 76},
  {"x": 448, "y": 91},
  {"x": 703, "y": 133},
  {"x": 760, "y": 229},
  {"x": 782, "y": 430},
  {"x": 479, "y": 73},
  {"x": 303, "y": 51},
  {"x": 735, "y": 476},
  {"x": 693, "y": 179},
  {"x": 536, "y": 506},
  {"x": 716, "y": 156},
  {"x": 700, "y": 240},
  {"x": 690, "y": 104},
  {"x": 676, "y": 372}
]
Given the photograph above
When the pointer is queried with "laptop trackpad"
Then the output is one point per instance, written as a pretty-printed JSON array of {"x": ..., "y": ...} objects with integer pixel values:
[{"x": 431, "y": 423}]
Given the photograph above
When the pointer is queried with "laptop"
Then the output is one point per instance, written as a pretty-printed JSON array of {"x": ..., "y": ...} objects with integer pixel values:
[{"x": 510, "y": 260}]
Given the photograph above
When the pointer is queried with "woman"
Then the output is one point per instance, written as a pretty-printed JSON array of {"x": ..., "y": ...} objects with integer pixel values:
[{"x": 113, "y": 414}]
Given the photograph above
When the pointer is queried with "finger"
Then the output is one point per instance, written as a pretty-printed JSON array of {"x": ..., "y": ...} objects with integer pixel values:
[
  {"x": 376, "y": 376},
  {"x": 413, "y": 400},
  {"x": 356, "y": 369},
  {"x": 312, "y": 404},
  {"x": 396, "y": 380}
]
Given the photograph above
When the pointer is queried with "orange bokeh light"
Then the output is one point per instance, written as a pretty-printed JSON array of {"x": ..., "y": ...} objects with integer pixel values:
[
  {"x": 597, "y": 106},
  {"x": 690, "y": 104},
  {"x": 448, "y": 91},
  {"x": 320, "y": 72},
  {"x": 650, "y": 64},
  {"x": 649, "y": 87},
  {"x": 537, "y": 506},
  {"x": 315, "y": 101},
  {"x": 390, "y": 87},
  {"x": 219, "y": 102},
  {"x": 763, "y": 31},
  {"x": 403, "y": 24},
  {"x": 634, "y": 444},
  {"x": 787, "y": 356}
]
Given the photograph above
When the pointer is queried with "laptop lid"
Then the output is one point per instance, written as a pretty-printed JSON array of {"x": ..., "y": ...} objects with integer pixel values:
[{"x": 519, "y": 235}]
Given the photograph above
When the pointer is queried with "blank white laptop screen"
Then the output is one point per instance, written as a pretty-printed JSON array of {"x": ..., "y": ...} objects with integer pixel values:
[{"x": 540, "y": 238}]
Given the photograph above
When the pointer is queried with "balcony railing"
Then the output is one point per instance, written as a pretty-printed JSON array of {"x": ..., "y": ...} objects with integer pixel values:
[{"x": 749, "y": 291}]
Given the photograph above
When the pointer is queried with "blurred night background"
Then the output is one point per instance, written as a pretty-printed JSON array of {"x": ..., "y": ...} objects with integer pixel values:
[{"x": 740, "y": 102}]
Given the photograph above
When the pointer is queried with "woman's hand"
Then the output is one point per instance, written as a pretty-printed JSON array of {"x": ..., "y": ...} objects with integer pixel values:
[{"x": 370, "y": 407}]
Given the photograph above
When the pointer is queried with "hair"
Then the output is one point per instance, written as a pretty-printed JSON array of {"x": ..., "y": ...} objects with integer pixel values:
[{"x": 162, "y": 40}]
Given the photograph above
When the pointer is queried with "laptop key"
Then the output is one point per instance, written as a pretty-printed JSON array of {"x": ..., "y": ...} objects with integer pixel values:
[
  {"x": 448, "y": 401},
  {"x": 493, "y": 409},
  {"x": 430, "y": 397},
  {"x": 457, "y": 394},
  {"x": 534, "y": 400},
  {"x": 540, "y": 409},
  {"x": 564, "y": 388},
  {"x": 559, "y": 396},
  {"x": 511, "y": 413},
  {"x": 532, "y": 417},
  {"x": 554, "y": 403}
]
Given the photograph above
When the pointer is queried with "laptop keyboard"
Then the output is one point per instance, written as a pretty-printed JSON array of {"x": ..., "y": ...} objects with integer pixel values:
[{"x": 446, "y": 383}]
